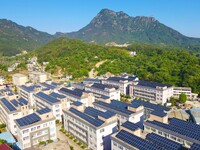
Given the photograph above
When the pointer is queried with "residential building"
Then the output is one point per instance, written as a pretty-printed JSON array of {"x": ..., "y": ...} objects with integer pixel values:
[
  {"x": 19, "y": 79},
  {"x": 36, "y": 77},
  {"x": 85, "y": 97},
  {"x": 180, "y": 131},
  {"x": 102, "y": 89},
  {"x": 91, "y": 126},
  {"x": 150, "y": 108},
  {"x": 1, "y": 80},
  {"x": 186, "y": 90},
  {"x": 125, "y": 112},
  {"x": 195, "y": 113},
  {"x": 36, "y": 127},
  {"x": 27, "y": 92},
  {"x": 62, "y": 98},
  {"x": 122, "y": 82},
  {"x": 91, "y": 81},
  {"x": 151, "y": 91},
  {"x": 13, "y": 109},
  {"x": 43, "y": 100}
]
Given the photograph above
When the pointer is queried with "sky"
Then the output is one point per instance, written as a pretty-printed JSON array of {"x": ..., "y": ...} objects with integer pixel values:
[{"x": 71, "y": 15}]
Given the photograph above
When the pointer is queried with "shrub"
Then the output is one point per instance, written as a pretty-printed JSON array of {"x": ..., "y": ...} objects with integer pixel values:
[
  {"x": 50, "y": 141},
  {"x": 42, "y": 143},
  {"x": 57, "y": 121},
  {"x": 71, "y": 148},
  {"x": 2, "y": 126},
  {"x": 58, "y": 139},
  {"x": 80, "y": 143},
  {"x": 83, "y": 146},
  {"x": 75, "y": 140}
]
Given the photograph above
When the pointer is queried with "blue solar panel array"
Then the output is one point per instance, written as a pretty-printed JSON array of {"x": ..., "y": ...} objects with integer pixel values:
[
  {"x": 75, "y": 92},
  {"x": 56, "y": 95},
  {"x": 152, "y": 84},
  {"x": 8, "y": 105},
  {"x": 163, "y": 142},
  {"x": 95, "y": 122},
  {"x": 150, "y": 105},
  {"x": 47, "y": 98},
  {"x": 27, "y": 120},
  {"x": 136, "y": 141},
  {"x": 129, "y": 125},
  {"x": 77, "y": 103},
  {"x": 43, "y": 110},
  {"x": 48, "y": 85},
  {"x": 22, "y": 100},
  {"x": 179, "y": 128},
  {"x": 95, "y": 113},
  {"x": 102, "y": 86},
  {"x": 159, "y": 113},
  {"x": 114, "y": 108},
  {"x": 195, "y": 147}
]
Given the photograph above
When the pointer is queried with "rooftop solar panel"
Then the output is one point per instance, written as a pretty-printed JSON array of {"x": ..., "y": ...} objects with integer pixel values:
[
  {"x": 195, "y": 147},
  {"x": 56, "y": 95},
  {"x": 22, "y": 100},
  {"x": 75, "y": 92},
  {"x": 164, "y": 142},
  {"x": 48, "y": 85},
  {"x": 136, "y": 141},
  {"x": 95, "y": 122},
  {"x": 47, "y": 98},
  {"x": 8, "y": 105},
  {"x": 14, "y": 102},
  {"x": 27, "y": 120},
  {"x": 129, "y": 125},
  {"x": 43, "y": 110}
]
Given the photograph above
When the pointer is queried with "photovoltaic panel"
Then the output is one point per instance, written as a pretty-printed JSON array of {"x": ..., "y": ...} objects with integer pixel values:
[
  {"x": 136, "y": 141},
  {"x": 9, "y": 106},
  {"x": 129, "y": 125},
  {"x": 29, "y": 119},
  {"x": 43, "y": 110},
  {"x": 47, "y": 98},
  {"x": 195, "y": 147},
  {"x": 95, "y": 122},
  {"x": 164, "y": 142}
]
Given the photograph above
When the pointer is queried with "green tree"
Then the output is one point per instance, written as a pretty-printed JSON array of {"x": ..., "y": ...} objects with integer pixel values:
[
  {"x": 182, "y": 98},
  {"x": 173, "y": 101}
]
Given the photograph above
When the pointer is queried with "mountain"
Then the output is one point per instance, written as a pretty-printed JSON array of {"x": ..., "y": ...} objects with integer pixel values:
[
  {"x": 109, "y": 26},
  {"x": 163, "y": 64},
  {"x": 14, "y": 37}
]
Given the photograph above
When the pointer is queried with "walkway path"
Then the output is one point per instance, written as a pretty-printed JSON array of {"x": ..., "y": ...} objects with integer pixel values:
[{"x": 94, "y": 73}]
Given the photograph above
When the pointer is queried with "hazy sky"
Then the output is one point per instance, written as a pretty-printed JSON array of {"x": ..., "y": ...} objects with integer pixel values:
[{"x": 71, "y": 15}]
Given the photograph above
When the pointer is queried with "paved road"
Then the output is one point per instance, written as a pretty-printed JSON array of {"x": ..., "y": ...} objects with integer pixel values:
[{"x": 63, "y": 144}]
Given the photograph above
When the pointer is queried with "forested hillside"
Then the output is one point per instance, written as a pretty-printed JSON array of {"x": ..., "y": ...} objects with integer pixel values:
[{"x": 162, "y": 64}]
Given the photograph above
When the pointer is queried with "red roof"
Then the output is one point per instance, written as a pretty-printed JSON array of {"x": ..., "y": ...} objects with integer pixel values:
[{"x": 4, "y": 146}]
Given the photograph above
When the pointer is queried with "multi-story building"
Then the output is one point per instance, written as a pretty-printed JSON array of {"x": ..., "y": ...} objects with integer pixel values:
[
  {"x": 19, "y": 79},
  {"x": 102, "y": 89},
  {"x": 62, "y": 98},
  {"x": 43, "y": 100},
  {"x": 13, "y": 109},
  {"x": 36, "y": 127},
  {"x": 122, "y": 83},
  {"x": 91, "y": 81},
  {"x": 87, "y": 98},
  {"x": 152, "y": 91},
  {"x": 183, "y": 132},
  {"x": 125, "y": 112},
  {"x": 150, "y": 108},
  {"x": 91, "y": 126},
  {"x": 1, "y": 80},
  {"x": 37, "y": 77},
  {"x": 27, "y": 92},
  {"x": 186, "y": 90}
]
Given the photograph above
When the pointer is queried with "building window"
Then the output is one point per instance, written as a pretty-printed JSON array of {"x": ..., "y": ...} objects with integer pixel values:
[{"x": 102, "y": 130}]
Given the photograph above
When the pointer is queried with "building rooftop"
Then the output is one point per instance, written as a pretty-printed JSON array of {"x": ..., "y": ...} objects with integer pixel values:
[
  {"x": 116, "y": 106},
  {"x": 77, "y": 103},
  {"x": 92, "y": 80},
  {"x": 27, "y": 120},
  {"x": 121, "y": 79},
  {"x": 8, "y": 105},
  {"x": 21, "y": 101},
  {"x": 159, "y": 113},
  {"x": 152, "y": 84},
  {"x": 19, "y": 75},
  {"x": 179, "y": 127},
  {"x": 50, "y": 86},
  {"x": 163, "y": 142},
  {"x": 95, "y": 113},
  {"x": 47, "y": 98},
  {"x": 129, "y": 125},
  {"x": 136, "y": 141},
  {"x": 150, "y": 105},
  {"x": 103, "y": 86},
  {"x": 57, "y": 95},
  {"x": 30, "y": 88},
  {"x": 87, "y": 118},
  {"x": 75, "y": 92},
  {"x": 43, "y": 110},
  {"x": 4, "y": 146}
]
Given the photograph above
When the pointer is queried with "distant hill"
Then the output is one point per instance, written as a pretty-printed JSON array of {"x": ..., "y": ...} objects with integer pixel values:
[
  {"x": 109, "y": 26},
  {"x": 163, "y": 64},
  {"x": 14, "y": 37}
]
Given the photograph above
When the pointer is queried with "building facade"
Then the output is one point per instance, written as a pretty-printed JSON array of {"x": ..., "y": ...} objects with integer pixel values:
[{"x": 19, "y": 79}]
